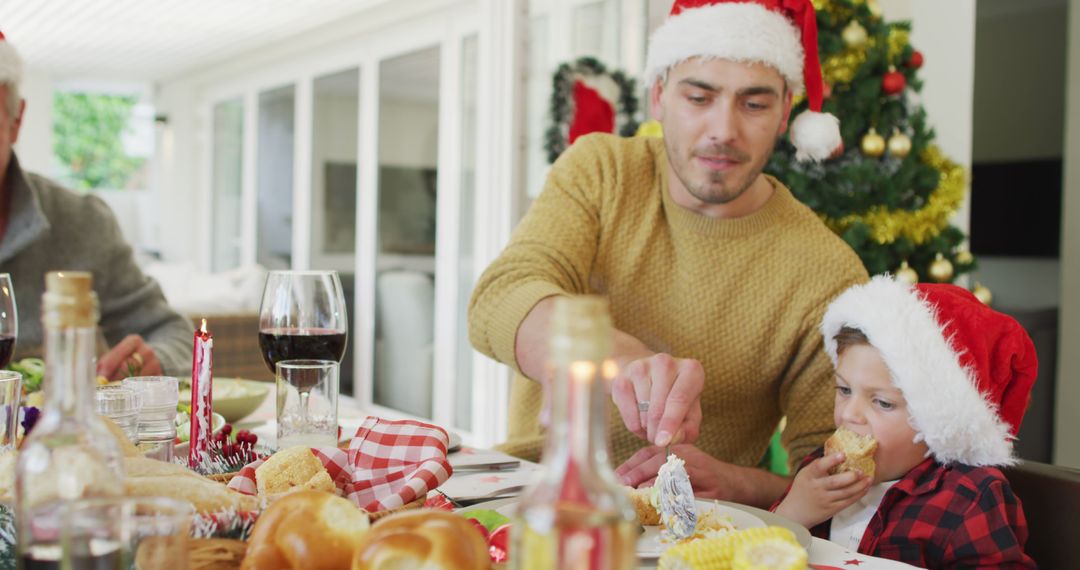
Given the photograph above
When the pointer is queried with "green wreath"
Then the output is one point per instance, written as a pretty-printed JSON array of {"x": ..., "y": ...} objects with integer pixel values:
[{"x": 556, "y": 139}]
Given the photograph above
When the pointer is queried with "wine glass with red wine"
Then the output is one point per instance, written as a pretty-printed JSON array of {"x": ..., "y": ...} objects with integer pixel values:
[
  {"x": 9, "y": 320},
  {"x": 302, "y": 317}
]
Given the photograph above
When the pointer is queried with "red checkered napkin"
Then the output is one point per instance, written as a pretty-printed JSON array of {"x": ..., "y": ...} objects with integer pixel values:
[{"x": 389, "y": 464}]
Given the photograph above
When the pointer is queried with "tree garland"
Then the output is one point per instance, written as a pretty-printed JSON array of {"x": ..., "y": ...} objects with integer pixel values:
[{"x": 561, "y": 110}]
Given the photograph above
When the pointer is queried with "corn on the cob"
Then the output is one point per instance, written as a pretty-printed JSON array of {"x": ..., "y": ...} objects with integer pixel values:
[
  {"x": 718, "y": 553},
  {"x": 769, "y": 554}
]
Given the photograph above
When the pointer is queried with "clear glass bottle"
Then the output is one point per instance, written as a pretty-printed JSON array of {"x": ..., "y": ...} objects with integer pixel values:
[
  {"x": 577, "y": 515},
  {"x": 71, "y": 453}
]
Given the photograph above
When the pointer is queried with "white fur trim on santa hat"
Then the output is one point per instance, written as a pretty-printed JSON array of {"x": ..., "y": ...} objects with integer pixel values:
[
  {"x": 947, "y": 410},
  {"x": 744, "y": 32},
  {"x": 10, "y": 64}
]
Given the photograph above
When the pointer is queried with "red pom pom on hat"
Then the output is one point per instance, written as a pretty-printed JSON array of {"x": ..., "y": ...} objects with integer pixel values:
[
  {"x": 779, "y": 33},
  {"x": 965, "y": 369}
]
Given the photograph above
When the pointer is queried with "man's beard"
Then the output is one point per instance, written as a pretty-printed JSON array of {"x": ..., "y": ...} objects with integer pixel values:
[{"x": 713, "y": 191}]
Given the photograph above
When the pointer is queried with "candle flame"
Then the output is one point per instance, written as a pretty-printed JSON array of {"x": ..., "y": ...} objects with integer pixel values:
[
  {"x": 582, "y": 370},
  {"x": 202, "y": 329}
]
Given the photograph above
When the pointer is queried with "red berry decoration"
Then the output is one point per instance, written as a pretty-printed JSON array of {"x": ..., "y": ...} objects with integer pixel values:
[
  {"x": 916, "y": 60},
  {"x": 226, "y": 429},
  {"x": 893, "y": 82}
]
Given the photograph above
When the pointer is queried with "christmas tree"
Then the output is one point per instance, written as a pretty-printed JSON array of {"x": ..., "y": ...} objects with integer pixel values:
[{"x": 891, "y": 192}]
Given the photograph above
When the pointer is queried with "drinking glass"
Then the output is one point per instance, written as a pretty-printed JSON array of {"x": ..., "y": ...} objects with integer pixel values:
[
  {"x": 121, "y": 405},
  {"x": 303, "y": 317},
  {"x": 148, "y": 533},
  {"x": 157, "y": 416},
  {"x": 9, "y": 320},
  {"x": 307, "y": 393},
  {"x": 10, "y": 395}
]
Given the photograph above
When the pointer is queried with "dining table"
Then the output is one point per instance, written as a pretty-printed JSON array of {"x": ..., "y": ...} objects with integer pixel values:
[{"x": 487, "y": 477}]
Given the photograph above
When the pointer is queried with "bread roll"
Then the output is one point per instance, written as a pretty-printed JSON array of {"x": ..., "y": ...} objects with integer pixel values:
[
  {"x": 858, "y": 451},
  {"x": 153, "y": 478},
  {"x": 306, "y": 530},
  {"x": 292, "y": 469},
  {"x": 641, "y": 499},
  {"x": 422, "y": 539}
]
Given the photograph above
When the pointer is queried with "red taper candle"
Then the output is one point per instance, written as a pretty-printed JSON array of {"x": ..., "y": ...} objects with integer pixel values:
[{"x": 202, "y": 382}]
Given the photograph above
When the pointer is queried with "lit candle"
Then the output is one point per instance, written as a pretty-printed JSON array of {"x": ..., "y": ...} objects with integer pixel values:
[{"x": 202, "y": 378}]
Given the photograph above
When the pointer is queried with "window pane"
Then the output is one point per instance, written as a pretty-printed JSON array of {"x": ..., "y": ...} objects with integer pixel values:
[
  {"x": 227, "y": 184},
  {"x": 333, "y": 165},
  {"x": 102, "y": 141},
  {"x": 405, "y": 288},
  {"x": 464, "y": 352},
  {"x": 336, "y": 105},
  {"x": 275, "y": 178}
]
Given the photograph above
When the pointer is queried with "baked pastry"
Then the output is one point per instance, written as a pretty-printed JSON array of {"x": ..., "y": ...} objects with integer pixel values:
[
  {"x": 424, "y": 538},
  {"x": 152, "y": 478},
  {"x": 858, "y": 451},
  {"x": 641, "y": 499},
  {"x": 308, "y": 530},
  {"x": 292, "y": 469}
]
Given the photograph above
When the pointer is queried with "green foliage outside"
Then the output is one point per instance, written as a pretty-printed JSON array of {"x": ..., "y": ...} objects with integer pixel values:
[{"x": 88, "y": 131}]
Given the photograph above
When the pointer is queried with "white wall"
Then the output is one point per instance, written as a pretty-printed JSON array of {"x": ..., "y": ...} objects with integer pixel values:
[
  {"x": 1066, "y": 444},
  {"x": 35, "y": 137}
]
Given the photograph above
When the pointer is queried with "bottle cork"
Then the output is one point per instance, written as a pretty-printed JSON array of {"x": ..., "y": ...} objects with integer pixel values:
[
  {"x": 69, "y": 300},
  {"x": 581, "y": 329}
]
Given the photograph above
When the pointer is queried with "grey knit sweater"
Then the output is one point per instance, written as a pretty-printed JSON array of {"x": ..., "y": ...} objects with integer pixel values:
[{"x": 51, "y": 228}]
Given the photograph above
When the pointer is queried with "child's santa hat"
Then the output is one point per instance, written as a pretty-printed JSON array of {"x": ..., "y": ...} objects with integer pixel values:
[
  {"x": 779, "y": 33},
  {"x": 965, "y": 369},
  {"x": 10, "y": 62}
]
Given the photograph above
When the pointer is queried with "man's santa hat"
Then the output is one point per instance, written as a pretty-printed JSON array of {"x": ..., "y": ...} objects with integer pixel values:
[
  {"x": 778, "y": 33},
  {"x": 10, "y": 62},
  {"x": 965, "y": 369}
]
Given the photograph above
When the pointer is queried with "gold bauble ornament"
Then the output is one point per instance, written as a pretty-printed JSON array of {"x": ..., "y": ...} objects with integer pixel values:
[
  {"x": 983, "y": 294},
  {"x": 899, "y": 144},
  {"x": 873, "y": 144},
  {"x": 964, "y": 257},
  {"x": 906, "y": 274},
  {"x": 941, "y": 269},
  {"x": 854, "y": 35}
]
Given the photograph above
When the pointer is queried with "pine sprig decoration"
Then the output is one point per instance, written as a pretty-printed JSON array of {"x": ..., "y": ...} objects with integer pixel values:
[{"x": 561, "y": 106}]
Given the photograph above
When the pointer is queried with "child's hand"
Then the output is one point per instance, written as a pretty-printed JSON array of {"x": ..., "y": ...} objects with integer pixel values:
[{"x": 816, "y": 496}]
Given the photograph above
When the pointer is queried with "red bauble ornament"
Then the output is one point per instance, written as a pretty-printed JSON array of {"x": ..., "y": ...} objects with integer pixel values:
[
  {"x": 916, "y": 60},
  {"x": 893, "y": 82}
]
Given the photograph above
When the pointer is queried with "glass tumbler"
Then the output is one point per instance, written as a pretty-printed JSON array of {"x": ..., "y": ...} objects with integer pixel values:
[{"x": 307, "y": 402}]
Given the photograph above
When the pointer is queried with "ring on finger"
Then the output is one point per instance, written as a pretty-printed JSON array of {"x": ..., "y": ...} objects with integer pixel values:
[{"x": 642, "y": 407}]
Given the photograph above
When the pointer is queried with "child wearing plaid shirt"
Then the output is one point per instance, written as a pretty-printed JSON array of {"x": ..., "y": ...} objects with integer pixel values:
[{"x": 941, "y": 382}]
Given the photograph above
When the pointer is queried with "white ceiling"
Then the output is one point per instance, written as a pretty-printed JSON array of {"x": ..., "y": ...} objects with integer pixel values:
[{"x": 155, "y": 39}]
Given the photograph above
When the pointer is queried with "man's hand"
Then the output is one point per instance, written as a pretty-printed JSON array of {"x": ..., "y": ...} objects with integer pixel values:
[
  {"x": 659, "y": 398},
  {"x": 710, "y": 477},
  {"x": 132, "y": 356},
  {"x": 816, "y": 496}
]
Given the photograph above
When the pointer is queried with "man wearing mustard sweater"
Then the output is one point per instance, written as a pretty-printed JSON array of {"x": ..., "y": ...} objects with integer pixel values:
[{"x": 717, "y": 277}]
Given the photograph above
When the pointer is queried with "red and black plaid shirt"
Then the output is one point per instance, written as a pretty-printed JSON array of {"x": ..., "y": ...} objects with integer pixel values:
[{"x": 940, "y": 516}]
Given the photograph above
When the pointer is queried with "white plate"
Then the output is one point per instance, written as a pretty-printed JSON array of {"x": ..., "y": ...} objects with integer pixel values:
[
  {"x": 455, "y": 442},
  {"x": 651, "y": 543},
  {"x": 762, "y": 518}
]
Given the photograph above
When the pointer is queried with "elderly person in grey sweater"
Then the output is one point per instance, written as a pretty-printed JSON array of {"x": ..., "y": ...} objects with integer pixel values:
[{"x": 45, "y": 227}]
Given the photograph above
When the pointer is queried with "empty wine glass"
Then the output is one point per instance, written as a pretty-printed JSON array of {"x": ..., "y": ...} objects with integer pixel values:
[
  {"x": 302, "y": 317},
  {"x": 9, "y": 320}
]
